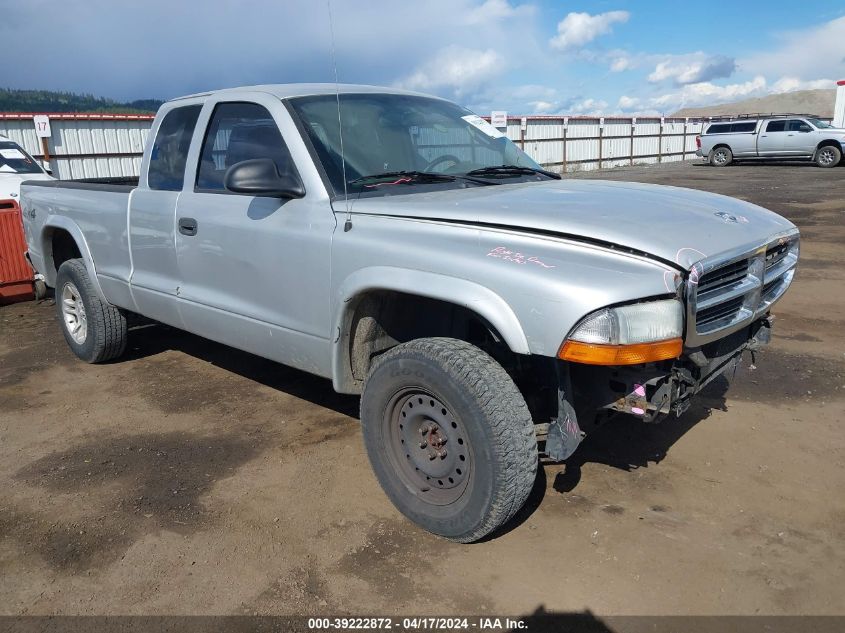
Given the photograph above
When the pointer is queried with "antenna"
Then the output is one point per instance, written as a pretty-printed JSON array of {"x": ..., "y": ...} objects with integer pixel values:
[{"x": 348, "y": 224}]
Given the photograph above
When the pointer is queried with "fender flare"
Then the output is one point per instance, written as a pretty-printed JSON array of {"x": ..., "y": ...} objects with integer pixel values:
[
  {"x": 475, "y": 297},
  {"x": 66, "y": 224}
]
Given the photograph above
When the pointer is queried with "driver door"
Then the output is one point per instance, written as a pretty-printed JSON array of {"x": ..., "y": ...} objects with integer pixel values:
[
  {"x": 254, "y": 270},
  {"x": 799, "y": 141}
]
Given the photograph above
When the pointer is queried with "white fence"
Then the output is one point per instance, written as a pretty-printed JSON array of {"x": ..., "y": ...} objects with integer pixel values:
[
  {"x": 583, "y": 143},
  {"x": 83, "y": 145},
  {"x": 111, "y": 145}
]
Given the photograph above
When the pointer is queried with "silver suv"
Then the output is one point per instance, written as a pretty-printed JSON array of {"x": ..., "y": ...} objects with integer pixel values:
[{"x": 785, "y": 136}]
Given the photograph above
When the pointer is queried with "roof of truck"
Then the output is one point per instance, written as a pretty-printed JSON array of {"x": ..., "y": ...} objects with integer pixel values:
[{"x": 284, "y": 91}]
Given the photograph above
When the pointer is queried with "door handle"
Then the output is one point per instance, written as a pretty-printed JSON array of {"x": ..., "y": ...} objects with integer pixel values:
[{"x": 187, "y": 226}]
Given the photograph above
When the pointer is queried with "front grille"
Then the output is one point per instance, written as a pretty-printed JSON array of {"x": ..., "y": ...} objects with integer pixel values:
[
  {"x": 775, "y": 254},
  {"x": 722, "y": 277},
  {"x": 732, "y": 294},
  {"x": 726, "y": 310}
]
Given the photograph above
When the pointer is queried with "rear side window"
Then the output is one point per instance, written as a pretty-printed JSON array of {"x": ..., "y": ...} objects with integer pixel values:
[
  {"x": 170, "y": 150},
  {"x": 776, "y": 126},
  {"x": 239, "y": 132},
  {"x": 744, "y": 127},
  {"x": 719, "y": 128}
]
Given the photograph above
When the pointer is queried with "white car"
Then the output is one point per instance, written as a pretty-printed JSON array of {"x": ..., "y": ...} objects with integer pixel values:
[{"x": 17, "y": 166}]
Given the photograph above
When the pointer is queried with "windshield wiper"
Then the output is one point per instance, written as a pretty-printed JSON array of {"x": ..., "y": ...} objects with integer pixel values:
[
  {"x": 511, "y": 170},
  {"x": 411, "y": 176}
]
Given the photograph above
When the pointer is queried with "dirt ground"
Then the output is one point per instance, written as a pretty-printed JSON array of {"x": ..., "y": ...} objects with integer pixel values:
[{"x": 189, "y": 478}]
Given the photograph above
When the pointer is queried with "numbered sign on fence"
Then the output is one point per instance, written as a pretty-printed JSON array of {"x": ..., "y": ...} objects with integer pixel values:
[{"x": 42, "y": 125}]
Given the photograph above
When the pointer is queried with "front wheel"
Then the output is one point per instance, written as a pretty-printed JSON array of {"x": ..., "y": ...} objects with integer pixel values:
[
  {"x": 449, "y": 437},
  {"x": 721, "y": 157},
  {"x": 828, "y": 156},
  {"x": 94, "y": 330}
]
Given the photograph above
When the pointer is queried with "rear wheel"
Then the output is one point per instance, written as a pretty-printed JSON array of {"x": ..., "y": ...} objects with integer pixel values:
[
  {"x": 828, "y": 156},
  {"x": 449, "y": 437},
  {"x": 94, "y": 330},
  {"x": 721, "y": 157}
]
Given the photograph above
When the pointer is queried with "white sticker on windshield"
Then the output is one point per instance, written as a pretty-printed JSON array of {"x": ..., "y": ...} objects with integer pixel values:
[
  {"x": 481, "y": 124},
  {"x": 12, "y": 154}
]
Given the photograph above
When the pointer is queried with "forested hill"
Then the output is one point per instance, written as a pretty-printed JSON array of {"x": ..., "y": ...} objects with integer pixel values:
[{"x": 49, "y": 101}]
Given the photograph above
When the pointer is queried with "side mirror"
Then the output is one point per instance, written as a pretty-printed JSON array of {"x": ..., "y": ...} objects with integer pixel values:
[{"x": 259, "y": 177}]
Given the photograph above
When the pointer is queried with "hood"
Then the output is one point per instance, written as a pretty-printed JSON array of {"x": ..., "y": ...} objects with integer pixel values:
[
  {"x": 680, "y": 226},
  {"x": 10, "y": 184}
]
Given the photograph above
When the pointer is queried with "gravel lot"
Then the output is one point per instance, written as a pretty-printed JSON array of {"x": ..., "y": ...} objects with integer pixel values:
[{"x": 189, "y": 478}]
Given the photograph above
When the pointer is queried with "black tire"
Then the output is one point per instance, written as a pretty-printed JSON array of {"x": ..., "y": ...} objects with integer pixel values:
[
  {"x": 721, "y": 157},
  {"x": 104, "y": 324},
  {"x": 828, "y": 156},
  {"x": 479, "y": 414}
]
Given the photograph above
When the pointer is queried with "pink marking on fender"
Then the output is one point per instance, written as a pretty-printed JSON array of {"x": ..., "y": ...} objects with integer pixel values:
[
  {"x": 637, "y": 410},
  {"x": 639, "y": 390}
]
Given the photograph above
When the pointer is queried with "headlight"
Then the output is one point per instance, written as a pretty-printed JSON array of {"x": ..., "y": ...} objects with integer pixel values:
[{"x": 627, "y": 335}]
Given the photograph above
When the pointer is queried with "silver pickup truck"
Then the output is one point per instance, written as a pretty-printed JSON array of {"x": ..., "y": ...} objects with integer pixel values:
[
  {"x": 486, "y": 310},
  {"x": 781, "y": 137}
]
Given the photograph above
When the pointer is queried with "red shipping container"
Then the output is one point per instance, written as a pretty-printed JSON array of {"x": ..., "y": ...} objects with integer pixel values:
[{"x": 16, "y": 275}]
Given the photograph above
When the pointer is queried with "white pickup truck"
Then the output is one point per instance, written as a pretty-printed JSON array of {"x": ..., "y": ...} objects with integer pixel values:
[
  {"x": 782, "y": 137},
  {"x": 419, "y": 258}
]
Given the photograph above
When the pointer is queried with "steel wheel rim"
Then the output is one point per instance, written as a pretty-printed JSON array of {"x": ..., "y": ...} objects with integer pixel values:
[
  {"x": 73, "y": 313},
  {"x": 826, "y": 156},
  {"x": 720, "y": 156},
  {"x": 427, "y": 446}
]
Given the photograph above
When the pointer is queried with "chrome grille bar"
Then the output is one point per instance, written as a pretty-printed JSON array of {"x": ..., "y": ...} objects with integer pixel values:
[{"x": 726, "y": 293}]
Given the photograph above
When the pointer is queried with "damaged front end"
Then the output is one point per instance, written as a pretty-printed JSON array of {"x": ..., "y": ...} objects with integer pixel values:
[{"x": 650, "y": 392}]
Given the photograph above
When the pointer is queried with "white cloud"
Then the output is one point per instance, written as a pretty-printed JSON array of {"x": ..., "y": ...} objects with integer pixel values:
[
  {"x": 459, "y": 69},
  {"x": 692, "y": 68},
  {"x": 789, "y": 84},
  {"x": 628, "y": 103},
  {"x": 620, "y": 63},
  {"x": 577, "y": 29},
  {"x": 707, "y": 93},
  {"x": 543, "y": 107},
  {"x": 812, "y": 52},
  {"x": 589, "y": 106},
  {"x": 497, "y": 10}
]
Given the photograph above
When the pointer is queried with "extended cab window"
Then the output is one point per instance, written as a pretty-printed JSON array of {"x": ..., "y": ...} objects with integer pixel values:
[
  {"x": 239, "y": 132},
  {"x": 170, "y": 150},
  {"x": 776, "y": 126}
]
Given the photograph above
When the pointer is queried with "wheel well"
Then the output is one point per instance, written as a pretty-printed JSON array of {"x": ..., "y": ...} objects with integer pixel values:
[
  {"x": 62, "y": 247},
  {"x": 378, "y": 320},
  {"x": 381, "y": 319},
  {"x": 722, "y": 145},
  {"x": 828, "y": 143}
]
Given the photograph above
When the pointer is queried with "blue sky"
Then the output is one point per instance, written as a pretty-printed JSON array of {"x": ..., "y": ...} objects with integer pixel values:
[{"x": 526, "y": 57}]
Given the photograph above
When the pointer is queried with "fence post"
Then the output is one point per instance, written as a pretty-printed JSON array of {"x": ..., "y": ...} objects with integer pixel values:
[
  {"x": 633, "y": 125},
  {"x": 660, "y": 142},
  {"x": 523, "y": 125},
  {"x": 684, "y": 147},
  {"x": 565, "y": 125},
  {"x": 601, "y": 135}
]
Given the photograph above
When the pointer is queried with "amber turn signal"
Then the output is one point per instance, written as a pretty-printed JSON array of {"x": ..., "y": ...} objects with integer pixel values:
[{"x": 593, "y": 354}]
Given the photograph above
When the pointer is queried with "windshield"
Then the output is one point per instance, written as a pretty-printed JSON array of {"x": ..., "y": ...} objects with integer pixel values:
[
  {"x": 13, "y": 160},
  {"x": 388, "y": 133},
  {"x": 820, "y": 124}
]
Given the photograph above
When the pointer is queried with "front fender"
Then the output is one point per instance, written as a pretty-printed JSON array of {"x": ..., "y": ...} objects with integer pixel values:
[
  {"x": 475, "y": 297},
  {"x": 52, "y": 223}
]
